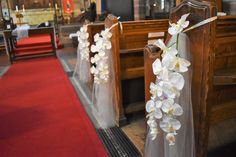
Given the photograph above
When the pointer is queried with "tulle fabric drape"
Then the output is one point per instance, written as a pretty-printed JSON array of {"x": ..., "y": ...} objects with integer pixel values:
[
  {"x": 82, "y": 68},
  {"x": 184, "y": 146},
  {"x": 103, "y": 106}
]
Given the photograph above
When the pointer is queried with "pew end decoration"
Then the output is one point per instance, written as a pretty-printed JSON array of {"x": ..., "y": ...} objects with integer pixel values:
[
  {"x": 82, "y": 66},
  {"x": 168, "y": 86},
  {"x": 103, "y": 75}
]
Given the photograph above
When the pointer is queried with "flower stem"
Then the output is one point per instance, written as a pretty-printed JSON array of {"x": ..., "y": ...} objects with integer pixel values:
[
  {"x": 171, "y": 44},
  {"x": 177, "y": 42}
]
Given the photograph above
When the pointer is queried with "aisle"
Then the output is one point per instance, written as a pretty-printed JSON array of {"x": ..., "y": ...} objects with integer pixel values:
[{"x": 41, "y": 115}]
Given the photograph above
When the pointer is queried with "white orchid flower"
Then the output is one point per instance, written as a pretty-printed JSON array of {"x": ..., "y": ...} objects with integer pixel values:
[
  {"x": 153, "y": 131},
  {"x": 95, "y": 59},
  {"x": 153, "y": 110},
  {"x": 170, "y": 125},
  {"x": 170, "y": 137},
  {"x": 155, "y": 91},
  {"x": 181, "y": 24},
  {"x": 106, "y": 33},
  {"x": 93, "y": 70},
  {"x": 157, "y": 66},
  {"x": 182, "y": 65},
  {"x": 175, "y": 63},
  {"x": 171, "y": 50},
  {"x": 171, "y": 108},
  {"x": 171, "y": 87},
  {"x": 96, "y": 37}
]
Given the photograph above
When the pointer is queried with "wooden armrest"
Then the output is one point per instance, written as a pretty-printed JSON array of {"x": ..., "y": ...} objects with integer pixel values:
[
  {"x": 225, "y": 77},
  {"x": 126, "y": 51},
  {"x": 132, "y": 73}
]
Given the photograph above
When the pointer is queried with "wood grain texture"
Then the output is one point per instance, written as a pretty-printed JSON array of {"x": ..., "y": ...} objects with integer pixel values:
[{"x": 128, "y": 40}]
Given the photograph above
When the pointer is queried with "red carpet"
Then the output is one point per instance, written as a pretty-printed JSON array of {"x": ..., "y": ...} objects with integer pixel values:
[
  {"x": 41, "y": 115},
  {"x": 35, "y": 44}
]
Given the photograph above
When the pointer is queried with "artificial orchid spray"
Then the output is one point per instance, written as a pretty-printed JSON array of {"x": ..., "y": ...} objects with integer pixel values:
[
  {"x": 83, "y": 43},
  {"x": 161, "y": 108},
  {"x": 100, "y": 69}
]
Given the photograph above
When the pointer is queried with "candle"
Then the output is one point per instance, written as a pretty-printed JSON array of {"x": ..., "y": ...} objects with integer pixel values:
[
  {"x": 17, "y": 8},
  {"x": 23, "y": 8},
  {"x": 56, "y": 5}
]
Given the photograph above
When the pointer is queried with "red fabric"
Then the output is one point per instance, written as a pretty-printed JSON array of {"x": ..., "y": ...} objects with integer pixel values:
[
  {"x": 68, "y": 6},
  {"x": 41, "y": 115}
]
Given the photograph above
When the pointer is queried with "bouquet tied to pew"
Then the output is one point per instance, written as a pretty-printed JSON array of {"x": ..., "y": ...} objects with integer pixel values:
[{"x": 162, "y": 107}]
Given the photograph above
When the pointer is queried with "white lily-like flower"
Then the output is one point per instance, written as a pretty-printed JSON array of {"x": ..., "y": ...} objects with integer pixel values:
[
  {"x": 171, "y": 108},
  {"x": 181, "y": 24},
  {"x": 182, "y": 65},
  {"x": 170, "y": 137},
  {"x": 106, "y": 33},
  {"x": 170, "y": 50},
  {"x": 95, "y": 59},
  {"x": 168, "y": 85},
  {"x": 83, "y": 43},
  {"x": 101, "y": 47},
  {"x": 157, "y": 66},
  {"x": 170, "y": 125},
  {"x": 153, "y": 110},
  {"x": 93, "y": 70},
  {"x": 171, "y": 87},
  {"x": 175, "y": 63},
  {"x": 155, "y": 91}
]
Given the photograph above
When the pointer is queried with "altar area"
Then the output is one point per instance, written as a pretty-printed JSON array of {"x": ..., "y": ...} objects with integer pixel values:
[{"x": 35, "y": 16}]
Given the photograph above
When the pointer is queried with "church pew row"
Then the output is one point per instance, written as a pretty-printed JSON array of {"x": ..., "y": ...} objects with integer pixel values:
[
  {"x": 128, "y": 41},
  {"x": 213, "y": 59},
  {"x": 17, "y": 51}
]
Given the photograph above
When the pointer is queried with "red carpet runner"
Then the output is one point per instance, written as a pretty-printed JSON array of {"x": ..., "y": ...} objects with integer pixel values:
[{"x": 41, "y": 115}]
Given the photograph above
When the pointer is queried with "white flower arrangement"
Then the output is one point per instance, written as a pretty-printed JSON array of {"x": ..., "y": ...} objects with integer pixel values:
[
  {"x": 168, "y": 85},
  {"x": 83, "y": 43},
  {"x": 100, "y": 69}
]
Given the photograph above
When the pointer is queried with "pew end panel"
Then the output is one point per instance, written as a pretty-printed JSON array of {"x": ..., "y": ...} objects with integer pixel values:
[
  {"x": 201, "y": 47},
  {"x": 110, "y": 21}
]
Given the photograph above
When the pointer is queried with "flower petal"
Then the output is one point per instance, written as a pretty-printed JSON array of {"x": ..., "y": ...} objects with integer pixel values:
[{"x": 156, "y": 66}]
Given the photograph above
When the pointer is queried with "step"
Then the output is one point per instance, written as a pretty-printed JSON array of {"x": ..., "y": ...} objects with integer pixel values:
[
  {"x": 34, "y": 52},
  {"x": 33, "y": 48}
]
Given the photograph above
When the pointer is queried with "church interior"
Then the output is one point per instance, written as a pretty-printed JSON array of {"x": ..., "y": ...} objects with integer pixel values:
[{"x": 117, "y": 78}]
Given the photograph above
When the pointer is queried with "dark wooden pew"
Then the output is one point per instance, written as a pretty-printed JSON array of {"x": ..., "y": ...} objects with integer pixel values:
[
  {"x": 128, "y": 41},
  {"x": 10, "y": 42},
  {"x": 213, "y": 53}
]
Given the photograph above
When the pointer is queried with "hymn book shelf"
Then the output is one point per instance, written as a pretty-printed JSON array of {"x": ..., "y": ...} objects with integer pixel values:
[{"x": 214, "y": 68}]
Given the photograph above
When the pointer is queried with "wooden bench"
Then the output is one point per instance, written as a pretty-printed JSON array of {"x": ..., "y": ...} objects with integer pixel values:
[
  {"x": 128, "y": 41},
  {"x": 12, "y": 49},
  {"x": 213, "y": 52}
]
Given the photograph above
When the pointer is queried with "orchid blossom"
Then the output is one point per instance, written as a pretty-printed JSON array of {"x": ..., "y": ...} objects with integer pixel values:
[
  {"x": 181, "y": 24},
  {"x": 102, "y": 45},
  {"x": 83, "y": 43},
  {"x": 169, "y": 83}
]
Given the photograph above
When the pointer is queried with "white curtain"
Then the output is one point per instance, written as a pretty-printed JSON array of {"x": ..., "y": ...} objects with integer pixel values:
[{"x": 184, "y": 146}]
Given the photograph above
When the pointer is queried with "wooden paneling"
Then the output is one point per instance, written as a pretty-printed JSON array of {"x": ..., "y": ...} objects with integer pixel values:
[{"x": 128, "y": 41}]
